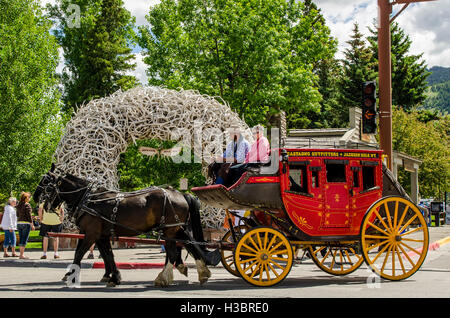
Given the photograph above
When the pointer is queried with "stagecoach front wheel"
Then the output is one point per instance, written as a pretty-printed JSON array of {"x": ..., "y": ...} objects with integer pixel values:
[
  {"x": 263, "y": 256},
  {"x": 227, "y": 255},
  {"x": 336, "y": 260},
  {"x": 394, "y": 238}
]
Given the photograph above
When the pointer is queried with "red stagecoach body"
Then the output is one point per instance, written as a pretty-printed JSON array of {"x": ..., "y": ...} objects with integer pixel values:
[{"x": 323, "y": 192}]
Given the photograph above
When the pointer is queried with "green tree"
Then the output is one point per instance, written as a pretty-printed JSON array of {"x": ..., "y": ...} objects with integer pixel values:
[
  {"x": 427, "y": 141},
  {"x": 96, "y": 48},
  {"x": 409, "y": 72},
  {"x": 30, "y": 121},
  {"x": 257, "y": 55},
  {"x": 358, "y": 67},
  {"x": 138, "y": 171}
]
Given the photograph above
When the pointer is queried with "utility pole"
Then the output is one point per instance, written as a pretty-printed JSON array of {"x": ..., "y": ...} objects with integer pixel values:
[{"x": 385, "y": 72}]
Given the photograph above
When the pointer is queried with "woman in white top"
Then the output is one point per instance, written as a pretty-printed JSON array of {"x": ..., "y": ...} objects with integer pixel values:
[{"x": 9, "y": 225}]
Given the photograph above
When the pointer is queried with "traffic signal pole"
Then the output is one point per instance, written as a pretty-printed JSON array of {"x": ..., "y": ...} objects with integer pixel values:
[
  {"x": 385, "y": 79},
  {"x": 385, "y": 73}
]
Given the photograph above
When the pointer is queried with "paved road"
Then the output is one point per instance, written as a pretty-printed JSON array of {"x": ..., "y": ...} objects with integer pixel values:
[{"x": 37, "y": 279}]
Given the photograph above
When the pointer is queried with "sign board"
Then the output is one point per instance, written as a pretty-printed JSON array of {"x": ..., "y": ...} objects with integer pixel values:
[
  {"x": 408, "y": 166},
  {"x": 147, "y": 151},
  {"x": 183, "y": 184},
  {"x": 171, "y": 152}
]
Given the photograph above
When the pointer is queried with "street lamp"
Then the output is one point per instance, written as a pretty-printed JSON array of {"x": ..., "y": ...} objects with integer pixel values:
[{"x": 385, "y": 72}]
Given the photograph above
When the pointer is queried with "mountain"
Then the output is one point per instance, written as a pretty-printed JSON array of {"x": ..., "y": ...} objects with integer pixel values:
[{"x": 439, "y": 89}]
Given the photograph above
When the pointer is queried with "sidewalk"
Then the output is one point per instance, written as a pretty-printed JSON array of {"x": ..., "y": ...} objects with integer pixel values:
[{"x": 150, "y": 256}]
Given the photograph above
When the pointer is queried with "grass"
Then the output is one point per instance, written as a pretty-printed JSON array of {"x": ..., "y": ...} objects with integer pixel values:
[{"x": 34, "y": 241}]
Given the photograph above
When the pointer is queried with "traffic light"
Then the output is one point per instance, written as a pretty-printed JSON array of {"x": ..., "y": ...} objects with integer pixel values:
[{"x": 369, "y": 108}]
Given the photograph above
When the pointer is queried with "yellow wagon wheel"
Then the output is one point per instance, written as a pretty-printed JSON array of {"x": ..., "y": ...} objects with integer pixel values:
[
  {"x": 227, "y": 255},
  {"x": 263, "y": 256},
  {"x": 336, "y": 260},
  {"x": 394, "y": 238}
]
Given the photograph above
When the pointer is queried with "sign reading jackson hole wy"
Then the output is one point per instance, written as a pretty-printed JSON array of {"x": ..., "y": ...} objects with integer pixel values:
[{"x": 332, "y": 154}]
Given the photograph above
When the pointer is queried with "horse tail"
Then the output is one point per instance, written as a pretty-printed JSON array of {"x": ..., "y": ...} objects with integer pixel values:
[
  {"x": 210, "y": 257},
  {"x": 194, "y": 215}
]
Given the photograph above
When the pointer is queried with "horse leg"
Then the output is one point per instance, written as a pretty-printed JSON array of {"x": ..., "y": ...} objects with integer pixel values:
[
  {"x": 179, "y": 264},
  {"x": 82, "y": 247},
  {"x": 103, "y": 252},
  {"x": 165, "y": 278},
  {"x": 203, "y": 272},
  {"x": 108, "y": 258}
]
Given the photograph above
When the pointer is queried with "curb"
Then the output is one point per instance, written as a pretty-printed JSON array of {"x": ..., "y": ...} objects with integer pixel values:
[
  {"x": 438, "y": 244},
  {"x": 124, "y": 265},
  {"x": 432, "y": 247}
]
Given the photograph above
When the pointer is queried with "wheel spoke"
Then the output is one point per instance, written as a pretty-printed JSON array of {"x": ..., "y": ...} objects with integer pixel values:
[
  {"x": 271, "y": 251},
  {"x": 381, "y": 219},
  {"x": 250, "y": 238},
  {"x": 401, "y": 219},
  {"x": 395, "y": 214},
  {"x": 377, "y": 245},
  {"x": 412, "y": 249},
  {"x": 326, "y": 256},
  {"x": 407, "y": 256},
  {"x": 266, "y": 239},
  {"x": 393, "y": 260},
  {"x": 258, "y": 267},
  {"x": 412, "y": 240},
  {"x": 400, "y": 260},
  {"x": 250, "y": 248},
  {"x": 319, "y": 250},
  {"x": 274, "y": 270},
  {"x": 412, "y": 231},
  {"x": 382, "y": 237},
  {"x": 380, "y": 252},
  {"x": 248, "y": 260},
  {"x": 388, "y": 215},
  {"x": 260, "y": 243},
  {"x": 408, "y": 223},
  {"x": 386, "y": 258},
  {"x": 378, "y": 229}
]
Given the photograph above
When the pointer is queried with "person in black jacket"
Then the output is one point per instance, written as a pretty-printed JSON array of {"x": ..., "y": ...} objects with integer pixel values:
[{"x": 24, "y": 221}]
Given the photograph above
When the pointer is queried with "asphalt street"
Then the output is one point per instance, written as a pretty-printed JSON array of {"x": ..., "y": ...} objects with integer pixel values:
[{"x": 36, "y": 278}]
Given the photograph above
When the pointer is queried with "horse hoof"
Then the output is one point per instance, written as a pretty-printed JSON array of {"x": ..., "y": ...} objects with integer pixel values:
[
  {"x": 203, "y": 281},
  {"x": 111, "y": 284},
  {"x": 64, "y": 279},
  {"x": 183, "y": 269},
  {"x": 161, "y": 283},
  {"x": 104, "y": 280}
]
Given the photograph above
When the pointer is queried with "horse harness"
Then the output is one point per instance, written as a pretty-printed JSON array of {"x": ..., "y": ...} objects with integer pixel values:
[{"x": 82, "y": 207}]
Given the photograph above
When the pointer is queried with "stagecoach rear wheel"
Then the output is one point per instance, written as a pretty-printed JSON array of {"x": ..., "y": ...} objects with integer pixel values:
[
  {"x": 394, "y": 238},
  {"x": 336, "y": 260},
  {"x": 263, "y": 256},
  {"x": 227, "y": 255}
]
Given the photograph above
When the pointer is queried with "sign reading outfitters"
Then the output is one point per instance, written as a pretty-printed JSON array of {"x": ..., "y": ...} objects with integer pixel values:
[{"x": 328, "y": 154}]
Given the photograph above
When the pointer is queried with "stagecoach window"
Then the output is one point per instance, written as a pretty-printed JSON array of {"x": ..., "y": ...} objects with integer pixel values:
[
  {"x": 315, "y": 179},
  {"x": 336, "y": 172},
  {"x": 368, "y": 177},
  {"x": 298, "y": 179},
  {"x": 355, "y": 179}
]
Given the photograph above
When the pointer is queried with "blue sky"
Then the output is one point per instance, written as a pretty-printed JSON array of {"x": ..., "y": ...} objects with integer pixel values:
[{"x": 427, "y": 24}]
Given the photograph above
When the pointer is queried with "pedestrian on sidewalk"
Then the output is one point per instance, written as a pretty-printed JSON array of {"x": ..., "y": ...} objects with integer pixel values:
[
  {"x": 24, "y": 221},
  {"x": 51, "y": 221},
  {"x": 9, "y": 225}
]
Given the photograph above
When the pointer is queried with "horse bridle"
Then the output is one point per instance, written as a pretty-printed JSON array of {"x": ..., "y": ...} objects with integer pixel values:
[{"x": 51, "y": 190}]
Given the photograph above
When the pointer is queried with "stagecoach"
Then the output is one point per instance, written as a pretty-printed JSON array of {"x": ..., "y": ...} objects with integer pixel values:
[{"x": 341, "y": 207}]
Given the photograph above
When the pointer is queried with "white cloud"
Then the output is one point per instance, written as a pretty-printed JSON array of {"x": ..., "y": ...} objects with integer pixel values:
[
  {"x": 139, "y": 72},
  {"x": 426, "y": 23}
]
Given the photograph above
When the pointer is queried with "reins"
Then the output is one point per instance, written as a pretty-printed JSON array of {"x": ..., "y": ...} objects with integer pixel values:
[{"x": 87, "y": 198}]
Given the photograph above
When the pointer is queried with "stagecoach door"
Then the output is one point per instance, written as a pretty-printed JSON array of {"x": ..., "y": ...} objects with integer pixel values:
[{"x": 337, "y": 193}]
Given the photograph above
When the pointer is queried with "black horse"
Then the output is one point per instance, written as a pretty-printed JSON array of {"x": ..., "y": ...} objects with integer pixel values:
[{"x": 101, "y": 214}]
